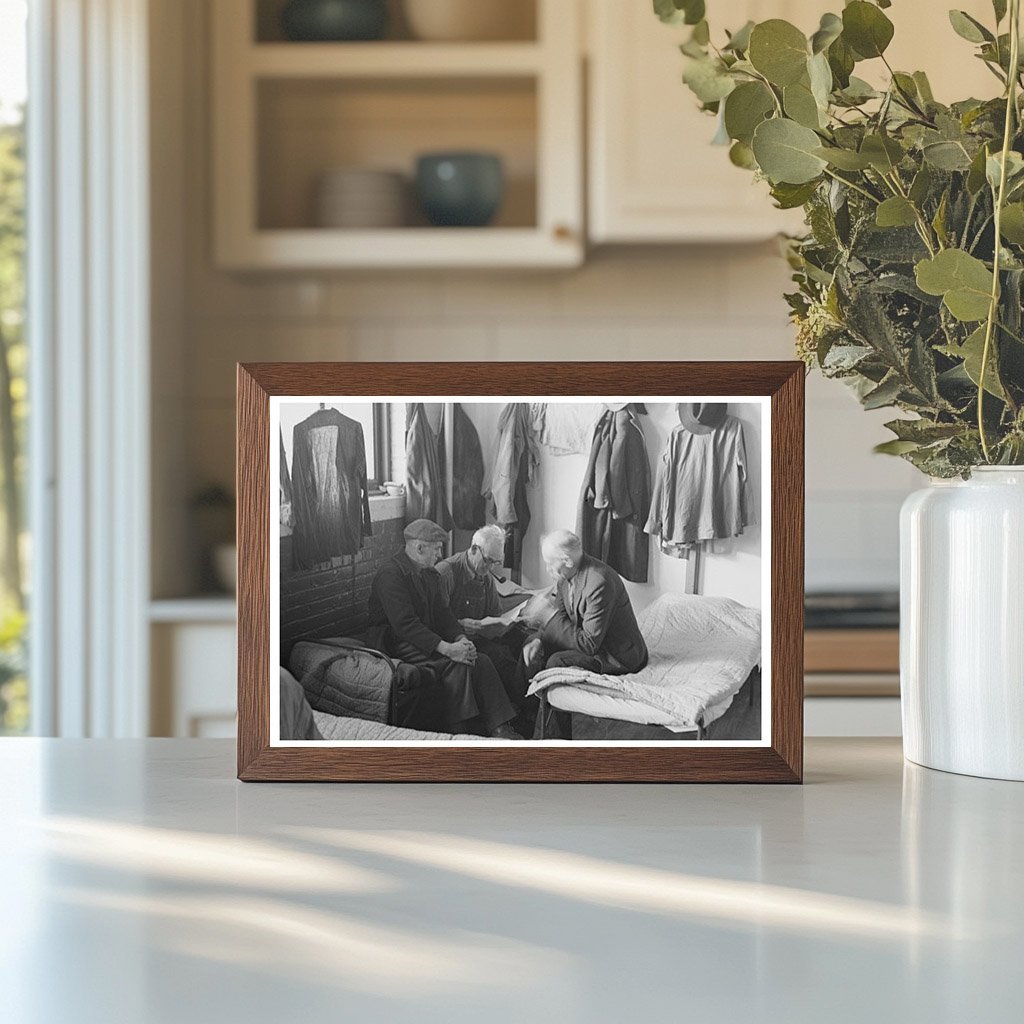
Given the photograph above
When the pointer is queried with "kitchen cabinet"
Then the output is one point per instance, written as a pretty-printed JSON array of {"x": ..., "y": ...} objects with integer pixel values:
[
  {"x": 653, "y": 175},
  {"x": 286, "y": 113}
]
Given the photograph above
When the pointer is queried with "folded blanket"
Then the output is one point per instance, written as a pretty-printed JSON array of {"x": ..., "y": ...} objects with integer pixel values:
[{"x": 701, "y": 651}]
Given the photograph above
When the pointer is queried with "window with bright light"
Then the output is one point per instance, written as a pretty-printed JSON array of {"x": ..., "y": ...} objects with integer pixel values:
[{"x": 14, "y": 548}]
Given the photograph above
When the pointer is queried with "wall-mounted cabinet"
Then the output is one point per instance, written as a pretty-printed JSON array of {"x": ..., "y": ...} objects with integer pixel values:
[
  {"x": 288, "y": 114},
  {"x": 653, "y": 175}
]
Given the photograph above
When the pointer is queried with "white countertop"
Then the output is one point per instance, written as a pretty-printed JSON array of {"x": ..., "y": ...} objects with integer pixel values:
[{"x": 143, "y": 884}]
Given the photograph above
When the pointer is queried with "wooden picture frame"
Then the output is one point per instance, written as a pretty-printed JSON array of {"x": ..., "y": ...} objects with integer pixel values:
[{"x": 779, "y": 385}]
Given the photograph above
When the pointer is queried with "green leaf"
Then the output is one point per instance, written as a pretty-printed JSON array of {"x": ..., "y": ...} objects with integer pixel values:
[
  {"x": 968, "y": 28},
  {"x": 789, "y": 197},
  {"x": 924, "y": 88},
  {"x": 971, "y": 352},
  {"x": 679, "y": 12},
  {"x": 745, "y": 108},
  {"x": 866, "y": 29},
  {"x": 883, "y": 153},
  {"x": 785, "y": 152},
  {"x": 742, "y": 155},
  {"x": 701, "y": 33},
  {"x": 1012, "y": 223},
  {"x": 739, "y": 41},
  {"x": 820, "y": 76},
  {"x": 999, "y": 7},
  {"x": 896, "y": 212},
  {"x": 844, "y": 159},
  {"x": 921, "y": 185},
  {"x": 976, "y": 174},
  {"x": 994, "y": 167},
  {"x": 829, "y": 30},
  {"x": 778, "y": 50},
  {"x": 800, "y": 105},
  {"x": 963, "y": 281},
  {"x": 708, "y": 80},
  {"x": 923, "y": 431},
  {"x": 946, "y": 156},
  {"x": 895, "y": 447},
  {"x": 885, "y": 394}
]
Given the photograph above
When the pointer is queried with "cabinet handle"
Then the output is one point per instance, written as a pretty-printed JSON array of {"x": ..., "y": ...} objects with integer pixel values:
[{"x": 563, "y": 232}]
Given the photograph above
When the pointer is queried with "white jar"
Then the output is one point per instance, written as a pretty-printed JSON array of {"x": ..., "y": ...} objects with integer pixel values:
[{"x": 962, "y": 624}]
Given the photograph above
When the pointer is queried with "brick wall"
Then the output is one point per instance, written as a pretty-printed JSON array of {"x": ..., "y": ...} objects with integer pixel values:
[{"x": 331, "y": 600}]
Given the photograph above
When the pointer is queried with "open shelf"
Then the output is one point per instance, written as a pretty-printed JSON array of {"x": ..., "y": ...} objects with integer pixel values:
[
  {"x": 286, "y": 114},
  {"x": 308, "y": 127},
  {"x": 393, "y": 60}
]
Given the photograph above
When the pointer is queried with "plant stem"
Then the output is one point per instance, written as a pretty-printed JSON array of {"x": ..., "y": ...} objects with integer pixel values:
[{"x": 993, "y": 309}]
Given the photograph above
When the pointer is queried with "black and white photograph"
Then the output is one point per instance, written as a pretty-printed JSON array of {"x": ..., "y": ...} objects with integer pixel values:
[{"x": 478, "y": 570}]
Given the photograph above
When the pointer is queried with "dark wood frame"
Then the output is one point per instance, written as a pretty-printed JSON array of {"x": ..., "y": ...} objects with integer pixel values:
[{"x": 782, "y": 761}]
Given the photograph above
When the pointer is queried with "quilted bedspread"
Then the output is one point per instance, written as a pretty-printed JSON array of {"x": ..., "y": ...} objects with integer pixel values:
[{"x": 701, "y": 651}]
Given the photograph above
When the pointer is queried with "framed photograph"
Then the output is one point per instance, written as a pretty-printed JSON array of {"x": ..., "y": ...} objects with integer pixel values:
[{"x": 514, "y": 572}]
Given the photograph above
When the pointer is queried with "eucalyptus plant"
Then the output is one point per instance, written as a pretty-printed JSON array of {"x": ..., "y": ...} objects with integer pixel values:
[{"x": 910, "y": 278}]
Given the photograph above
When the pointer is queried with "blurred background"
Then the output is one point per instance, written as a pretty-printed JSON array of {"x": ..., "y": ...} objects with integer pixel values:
[{"x": 251, "y": 180}]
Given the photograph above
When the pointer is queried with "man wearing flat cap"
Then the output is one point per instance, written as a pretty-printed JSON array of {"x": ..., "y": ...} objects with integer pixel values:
[{"x": 409, "y": 612}]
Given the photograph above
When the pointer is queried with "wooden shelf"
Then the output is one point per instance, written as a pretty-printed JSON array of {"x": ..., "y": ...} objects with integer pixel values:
[
  {"x": 401, "y": 247},
  {"x": 393, "y": 60}
]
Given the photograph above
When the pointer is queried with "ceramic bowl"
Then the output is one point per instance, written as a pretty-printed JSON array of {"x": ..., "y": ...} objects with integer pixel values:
[
  {"x": 469, "y": 20},
  {"x": 460, "y": 189},
  {"x": 334, "y": 20}
]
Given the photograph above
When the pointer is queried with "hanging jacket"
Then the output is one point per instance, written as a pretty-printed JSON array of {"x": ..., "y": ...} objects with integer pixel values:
[
  {"x": 468, "y": 478},
  {"x": 616, "y": 496},
  {"x": 515, "y": 465},
  {"x": 700, "y": 492},
  {"x": 330, "y": 501},
  {"x": 424, "y": 471}
]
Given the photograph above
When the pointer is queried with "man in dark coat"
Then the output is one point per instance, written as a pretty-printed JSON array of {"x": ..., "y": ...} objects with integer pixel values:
[
  {"x": 410, "y": 620},
  {"x": 592, "y": 624}
]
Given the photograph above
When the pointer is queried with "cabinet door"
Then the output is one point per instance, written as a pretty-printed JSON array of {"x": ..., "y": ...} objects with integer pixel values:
[{"x": 654, "y": 175}]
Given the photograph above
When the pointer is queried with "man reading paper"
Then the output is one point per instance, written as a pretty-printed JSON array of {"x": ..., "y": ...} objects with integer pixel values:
[{"x": 471, "y": 592}]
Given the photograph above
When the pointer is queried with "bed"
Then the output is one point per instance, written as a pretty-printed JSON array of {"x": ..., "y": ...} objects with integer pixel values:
[{"x": 702, "y": 652}]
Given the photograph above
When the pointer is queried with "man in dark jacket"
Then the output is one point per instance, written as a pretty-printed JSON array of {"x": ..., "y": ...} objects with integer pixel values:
[
  {"x": 410, "y": 619},
  {"x": 593, "y": 625}
]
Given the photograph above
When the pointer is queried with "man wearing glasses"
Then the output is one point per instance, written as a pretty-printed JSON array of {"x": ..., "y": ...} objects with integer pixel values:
[{"x": 469, "y": 586}]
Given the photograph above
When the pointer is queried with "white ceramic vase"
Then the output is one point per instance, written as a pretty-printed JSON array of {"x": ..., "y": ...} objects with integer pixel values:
[{"x": 962, "y": 624}]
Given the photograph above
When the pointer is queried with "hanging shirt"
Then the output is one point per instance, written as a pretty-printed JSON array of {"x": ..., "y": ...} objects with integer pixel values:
[
  {"x": 330, "y": 500},
  {"x": 565, "y": 428},
  {"x": 700, "y": 492}
]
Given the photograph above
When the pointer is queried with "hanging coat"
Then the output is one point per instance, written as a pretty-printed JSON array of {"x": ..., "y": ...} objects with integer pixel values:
[
  {"x": 330, "y": 501},
  {"x": 616, "y": 497},
  {"x": 424, "y": 471},
  {"x": 468, "y": 479},
  {"x": 700, "y": 492},
  {"x": 515, "y": 465}
]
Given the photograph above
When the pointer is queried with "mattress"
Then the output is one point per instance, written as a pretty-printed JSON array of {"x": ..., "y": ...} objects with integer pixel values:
[
  {"x": 702, "y": 649},
  {"x": 607, "y": 705}
]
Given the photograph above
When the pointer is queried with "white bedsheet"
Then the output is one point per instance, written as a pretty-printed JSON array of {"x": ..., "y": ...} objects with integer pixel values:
[{"x": 701, "y": 651}]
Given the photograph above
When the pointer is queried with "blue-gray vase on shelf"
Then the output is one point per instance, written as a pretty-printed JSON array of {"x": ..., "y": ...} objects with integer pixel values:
[
  {"x": 332, "y": 21},
  {"x": 460, "y": 189}
]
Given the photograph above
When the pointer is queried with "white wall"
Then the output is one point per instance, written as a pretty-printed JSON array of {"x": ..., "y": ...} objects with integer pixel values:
[{"x": 735, "y": 572}]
